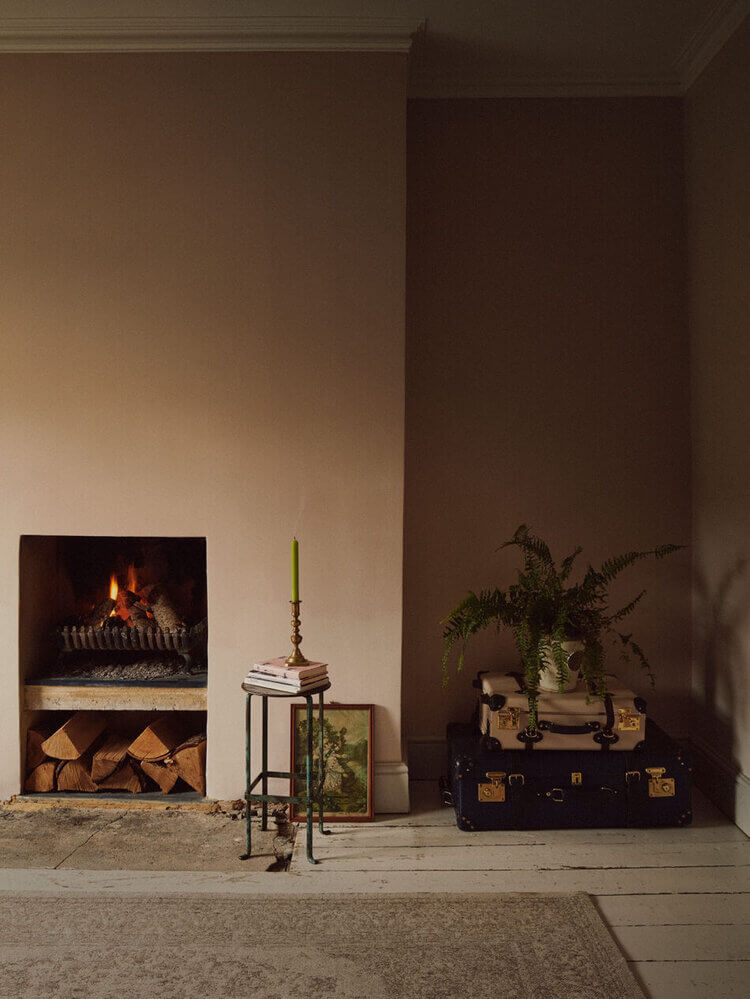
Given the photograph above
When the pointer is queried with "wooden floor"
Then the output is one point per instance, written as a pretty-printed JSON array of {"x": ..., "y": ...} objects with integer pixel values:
[{"x": 676, "y": 900}]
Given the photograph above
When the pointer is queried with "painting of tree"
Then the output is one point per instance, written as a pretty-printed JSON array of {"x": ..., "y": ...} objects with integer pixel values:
[{"x": 345, "y": 770}]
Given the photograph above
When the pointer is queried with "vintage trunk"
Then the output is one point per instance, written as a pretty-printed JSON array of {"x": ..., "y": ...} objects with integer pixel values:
[
  {"x": 585, "y": 788},
  {"x": 565, "y": 721}
]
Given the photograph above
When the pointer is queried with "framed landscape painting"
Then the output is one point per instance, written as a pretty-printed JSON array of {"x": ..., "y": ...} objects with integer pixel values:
[{"x": 347, "y": 761}]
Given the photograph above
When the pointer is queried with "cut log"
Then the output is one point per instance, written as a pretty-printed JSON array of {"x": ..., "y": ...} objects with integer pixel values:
[
  {"x": 125, "y": 778},
  {"x": 109, "y": 756},
  {"x": 189, "y": 760},
  {"x": 75, "y": 736},
  {"x": 35, "y": 755},
  {"x": 41, "y": 778},
  {"x": 100, "y": 613},
  {"x": 75, "y": 775},
  {"x": 134, "y": 607},
  {"x": 157, "y": 740},
  {"x": 164, "y": 611},
  {"x": 166, "y": 777}
]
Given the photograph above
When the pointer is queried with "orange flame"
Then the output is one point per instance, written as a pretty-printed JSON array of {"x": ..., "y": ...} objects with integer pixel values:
[
  {"x": 113, "y": 588},
  {"x": 132, "y": 579}
]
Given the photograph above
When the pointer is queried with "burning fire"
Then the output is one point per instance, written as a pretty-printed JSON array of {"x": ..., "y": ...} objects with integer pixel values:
[{"x": 123, "y": 598}]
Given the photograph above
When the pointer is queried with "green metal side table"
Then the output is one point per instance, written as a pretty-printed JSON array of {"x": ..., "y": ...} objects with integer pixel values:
[{"x": 308, "y": 799}]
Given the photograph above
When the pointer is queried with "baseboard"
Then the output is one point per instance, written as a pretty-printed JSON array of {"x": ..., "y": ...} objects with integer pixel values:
[
  {"x": 392, "y": 787},
  {"x": 427, "y": 758},
  {"x": 722, "y": 782}
]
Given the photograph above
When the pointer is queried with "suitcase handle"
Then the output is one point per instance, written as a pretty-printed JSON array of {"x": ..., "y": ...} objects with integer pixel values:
[{"x": 556, "y": 729}]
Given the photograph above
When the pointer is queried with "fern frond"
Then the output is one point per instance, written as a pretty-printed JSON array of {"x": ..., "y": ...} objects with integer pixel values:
[
  {"x": 663, "y": 550},
  {"x": 567, "y": 563},
  {"x": 614, "y": 566},
  {"x": 628, "y": 608},
  {"x": 645, "y": 664},
  {"x": 531, "y": 545}
]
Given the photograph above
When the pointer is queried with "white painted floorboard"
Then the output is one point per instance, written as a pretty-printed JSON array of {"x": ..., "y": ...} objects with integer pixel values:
[{"x": 677, "y": 901}]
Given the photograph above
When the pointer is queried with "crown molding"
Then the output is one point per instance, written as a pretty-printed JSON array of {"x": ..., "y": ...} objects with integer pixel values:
[
  {"x": 207, "y": 34},
  {"x": 709, "y": 39},
  {"x": 428, "y": 86}
]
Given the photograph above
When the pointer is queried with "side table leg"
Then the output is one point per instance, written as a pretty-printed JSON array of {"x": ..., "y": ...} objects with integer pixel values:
[
  {"x": 321, "y": 773},
  {"x": 308, "y": 774},
  {"x": 248, "y": 779},
  {"x": 264, "y": 806}
]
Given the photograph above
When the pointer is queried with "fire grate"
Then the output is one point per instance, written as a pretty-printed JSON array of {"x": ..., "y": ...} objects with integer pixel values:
[{"x": 150, "y": 638}]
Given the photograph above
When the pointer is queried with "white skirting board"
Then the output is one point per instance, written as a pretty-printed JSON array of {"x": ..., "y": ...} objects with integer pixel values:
[
  {"x": 722, "y": 782},
  {"x": 391, "y": 787}
]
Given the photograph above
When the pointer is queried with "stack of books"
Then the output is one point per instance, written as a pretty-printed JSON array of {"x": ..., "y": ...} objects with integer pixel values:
[{"x": 276, "y": 675}]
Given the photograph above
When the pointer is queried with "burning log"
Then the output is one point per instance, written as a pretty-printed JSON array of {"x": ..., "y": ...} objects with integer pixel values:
[
  {"x": 189, "y": 760},
  {"x": 163, "y": 609},
  {"x": 73, "y": 738},
  {"x": 75, "y": 775},
  {"x": 41, "y": 778},
  {"x": 100, "y": 613},
  {"x": 109, "y": 756},
  {"x": 125, "y": 778},
  {"x": 157, "y": 740},
  {"x": 166, "y": 777},
  {"x": 35, "y": 755},
  {"x": 136, "y": 611}
]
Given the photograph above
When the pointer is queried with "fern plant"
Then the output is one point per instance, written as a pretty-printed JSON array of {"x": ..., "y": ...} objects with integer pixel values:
[{"x": 543, "y": 609}]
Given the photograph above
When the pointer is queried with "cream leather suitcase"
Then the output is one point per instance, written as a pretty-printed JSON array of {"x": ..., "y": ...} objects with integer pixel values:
[{"x": 565, "y": 721}]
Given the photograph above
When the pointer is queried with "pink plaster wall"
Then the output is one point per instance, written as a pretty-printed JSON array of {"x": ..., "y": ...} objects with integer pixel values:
[
  {"x": 201, "y": 323},
  {"x": 546, "y": 368}
]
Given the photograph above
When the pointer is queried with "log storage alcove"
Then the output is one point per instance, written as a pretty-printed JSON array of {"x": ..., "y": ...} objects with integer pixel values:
[
  {"x": 114, "y": 665},
  {"x": 135, "y": 752}
]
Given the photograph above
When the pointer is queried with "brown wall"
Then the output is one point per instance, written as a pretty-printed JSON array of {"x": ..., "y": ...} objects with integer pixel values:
[
  {"x": 547, "y": 367},
  {"x": 201, "y": 323},
  {"x": 718, "y": 157}
]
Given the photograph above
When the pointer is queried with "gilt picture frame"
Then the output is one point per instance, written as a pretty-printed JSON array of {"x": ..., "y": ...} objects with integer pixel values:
[{"x": 348, "y": 761}]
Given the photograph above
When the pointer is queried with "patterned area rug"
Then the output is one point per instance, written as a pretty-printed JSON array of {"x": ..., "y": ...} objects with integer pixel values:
[{"x": 419, "y": 946}]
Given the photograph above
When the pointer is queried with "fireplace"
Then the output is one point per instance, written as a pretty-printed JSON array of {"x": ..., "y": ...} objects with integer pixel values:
[{"x": 113, "y": 643}]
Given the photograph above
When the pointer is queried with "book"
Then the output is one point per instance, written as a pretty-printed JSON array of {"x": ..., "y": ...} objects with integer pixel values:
[
  {"x": 286, "y": 680},
  {"x": 278, "y": 667},
  {"x": 287, "y": 687}
]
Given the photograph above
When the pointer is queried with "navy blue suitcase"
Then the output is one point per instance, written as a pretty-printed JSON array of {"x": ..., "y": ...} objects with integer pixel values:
[{"x": 566, "y": 789}]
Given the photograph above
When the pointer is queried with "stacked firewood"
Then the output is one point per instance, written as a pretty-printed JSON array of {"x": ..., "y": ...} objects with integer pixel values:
[{"x": 85, "y": 754}]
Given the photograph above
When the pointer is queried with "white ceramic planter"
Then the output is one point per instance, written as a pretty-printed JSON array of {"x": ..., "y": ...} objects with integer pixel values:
[{"x": 548, "y": 676}]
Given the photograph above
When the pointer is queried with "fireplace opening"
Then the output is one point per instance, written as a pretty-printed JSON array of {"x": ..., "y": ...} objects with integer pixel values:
[
  {"x": 98, "y": 610},
  {"x": 113, "y": 659}
]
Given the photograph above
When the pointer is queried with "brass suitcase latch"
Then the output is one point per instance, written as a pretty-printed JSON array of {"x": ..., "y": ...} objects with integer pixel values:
[
  {"x": 508, "y": 718},
  {"x": 576, "y": 779},
  {"x": 627, "y": 721},
  {"x": 495, "y": 789},
  {"x": 659, "y": 786}
]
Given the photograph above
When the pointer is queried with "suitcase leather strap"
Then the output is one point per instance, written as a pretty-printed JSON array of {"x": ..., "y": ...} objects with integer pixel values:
[{"x": 607, "y": 737}]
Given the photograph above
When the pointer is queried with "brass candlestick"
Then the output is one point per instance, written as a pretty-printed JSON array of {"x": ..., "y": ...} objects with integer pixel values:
[{"x": 296, "y": 658}]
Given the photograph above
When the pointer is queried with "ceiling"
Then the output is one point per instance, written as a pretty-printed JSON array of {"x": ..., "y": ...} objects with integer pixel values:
[{"x": 460, "y": 48}]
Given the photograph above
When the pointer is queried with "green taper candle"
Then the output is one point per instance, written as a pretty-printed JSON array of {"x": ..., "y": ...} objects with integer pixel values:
[{"x": 295, "y": 570}]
